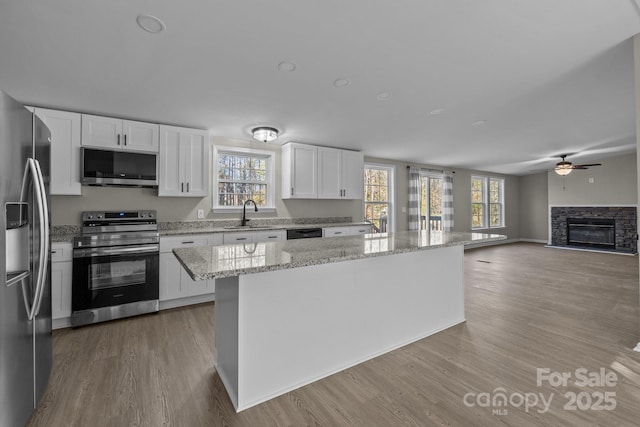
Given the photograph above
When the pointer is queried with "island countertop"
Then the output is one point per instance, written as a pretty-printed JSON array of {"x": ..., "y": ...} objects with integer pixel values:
[{"x": 202, "y": 263}]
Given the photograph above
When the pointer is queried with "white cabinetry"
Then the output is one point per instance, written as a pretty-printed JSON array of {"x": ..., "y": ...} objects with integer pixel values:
[
  {"x": 254, "y": 236},
  {"x": 65, "y": 150},
  {"x": 175, "y": 283},
  {"x": 352, "y": 174},
  {"x": 184, "y": 162},
  {"x": 61, "y": 276},
  {"x": 346, "y": 230},
  {"x": 310, "y": 172},
  {"x": 299, "y": 171},
  {"x": 110, "y": 133},
  {"x": 340, "y": 174}
]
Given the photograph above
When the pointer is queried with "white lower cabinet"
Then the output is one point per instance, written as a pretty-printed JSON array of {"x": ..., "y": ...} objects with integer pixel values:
[
  {"x": 254, "y": 236},
  {"x": 175, "y": 283},
  {"x": 61, "y": 276},
  {"x": 346, "y": 230}
]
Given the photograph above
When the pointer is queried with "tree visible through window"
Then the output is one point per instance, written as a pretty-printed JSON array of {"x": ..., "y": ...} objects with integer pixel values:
[
  {"x": 487, "y": 202},
  {"x": 242, "y": 177},
  {"x": 378, "y": 197},
  {"x": 431, "y": 203}
]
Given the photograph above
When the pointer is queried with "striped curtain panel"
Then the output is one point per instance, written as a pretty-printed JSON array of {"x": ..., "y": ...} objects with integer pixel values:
[
  {"x": 414, "y": 199},
  {"x": 447, "y": 202}
]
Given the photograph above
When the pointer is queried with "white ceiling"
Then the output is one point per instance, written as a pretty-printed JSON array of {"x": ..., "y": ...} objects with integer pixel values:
[{"x": 547, "y": 76}]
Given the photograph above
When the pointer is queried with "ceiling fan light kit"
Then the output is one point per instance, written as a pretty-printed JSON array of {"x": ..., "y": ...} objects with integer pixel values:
[{"x": 564, "y": 167}]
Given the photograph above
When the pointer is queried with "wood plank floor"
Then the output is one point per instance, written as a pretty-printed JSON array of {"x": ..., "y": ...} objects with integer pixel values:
[{"x": 527, "y": 307}]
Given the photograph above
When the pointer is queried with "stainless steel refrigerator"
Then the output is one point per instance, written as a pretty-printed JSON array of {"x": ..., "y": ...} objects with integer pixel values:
[{"x": 25, "y": 267}]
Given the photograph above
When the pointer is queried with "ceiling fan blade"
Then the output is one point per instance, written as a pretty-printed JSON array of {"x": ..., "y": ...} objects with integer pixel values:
[{"x": 591, "y": 164}]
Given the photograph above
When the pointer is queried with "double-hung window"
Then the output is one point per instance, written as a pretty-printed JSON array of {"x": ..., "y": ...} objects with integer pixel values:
[
  {"x": 487, "y": 202},
  {"x": 379, "y": 196},
  {"x": 241, "y": 175}
]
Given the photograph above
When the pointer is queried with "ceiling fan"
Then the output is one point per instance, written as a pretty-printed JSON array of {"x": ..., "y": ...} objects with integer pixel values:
[{"x": 564, "y": 167}]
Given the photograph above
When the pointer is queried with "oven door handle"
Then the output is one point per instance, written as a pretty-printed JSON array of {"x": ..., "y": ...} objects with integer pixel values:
[{"x": 92, "y": 252}]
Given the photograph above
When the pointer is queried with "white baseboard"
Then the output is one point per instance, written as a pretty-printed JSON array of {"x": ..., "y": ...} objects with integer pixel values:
[
  {"x": 543, "y": 241},
  {"x": 637, "y": 347}
]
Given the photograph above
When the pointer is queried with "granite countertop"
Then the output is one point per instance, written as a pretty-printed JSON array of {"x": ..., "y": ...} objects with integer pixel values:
[
  {"x": 66, "y": 233},
  {"x": 232, "y": 260},
  {"x": 257, "y": 227}
]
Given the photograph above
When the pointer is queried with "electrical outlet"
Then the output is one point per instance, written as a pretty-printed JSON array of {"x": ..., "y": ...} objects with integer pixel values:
[
  {"x": 200, "y": 213},
  {"x": 404, "y": 209}
]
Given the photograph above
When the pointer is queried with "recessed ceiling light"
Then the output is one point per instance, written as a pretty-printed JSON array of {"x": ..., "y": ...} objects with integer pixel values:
[
  {"x": 150, "y": 23},
  {"x": 436, "y": 111},
  {"x": 286, "y": 66},
  {"x": 384, "y": 96},
  {"x": 341, "y": 82},
  {"x": 479, "y": 123}
]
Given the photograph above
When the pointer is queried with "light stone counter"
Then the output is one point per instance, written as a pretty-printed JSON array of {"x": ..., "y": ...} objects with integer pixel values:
[
  {"x": 187, "y": 228},
  {"x": 289, "y": 313},
  {"x": 203, "y": 263}
]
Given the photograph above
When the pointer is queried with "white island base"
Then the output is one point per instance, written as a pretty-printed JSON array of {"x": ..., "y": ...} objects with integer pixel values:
[{"x": 279, "y": 330}]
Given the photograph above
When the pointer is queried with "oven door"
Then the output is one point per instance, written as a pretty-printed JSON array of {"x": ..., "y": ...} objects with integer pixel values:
[{"x": 104, "y": 277}]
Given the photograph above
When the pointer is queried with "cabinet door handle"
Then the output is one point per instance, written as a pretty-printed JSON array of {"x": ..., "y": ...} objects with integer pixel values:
[
  {"x": 182, "y": 187},
  {"x": 118, "y": 139},
  {"x": 272, "y": 237},
  {"x": 187, "y": 187},
  {"x": 292, "y": 191},
  {"x": 188, "y": 243},
  {"x": 125, "y": 139},
  {"x": 337, "y": 232},
  {"x": 241, "y": 238}
]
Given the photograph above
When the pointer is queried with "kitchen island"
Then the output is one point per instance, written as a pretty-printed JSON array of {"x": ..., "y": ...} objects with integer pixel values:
[{"x": 290, "y": 313}]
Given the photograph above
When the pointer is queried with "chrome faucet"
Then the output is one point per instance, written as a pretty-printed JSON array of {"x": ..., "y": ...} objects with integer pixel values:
[{"x": 244, "y": 211}]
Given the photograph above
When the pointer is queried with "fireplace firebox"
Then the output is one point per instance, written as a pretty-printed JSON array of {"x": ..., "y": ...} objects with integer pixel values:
[{"x": 591, "y": 233}]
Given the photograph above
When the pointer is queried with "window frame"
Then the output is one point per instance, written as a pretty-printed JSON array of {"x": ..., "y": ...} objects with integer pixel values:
[
  {"x": 391, "y": 193},
  {"x": 486, "y": 203},
  {"x": 270, "y": 177}
]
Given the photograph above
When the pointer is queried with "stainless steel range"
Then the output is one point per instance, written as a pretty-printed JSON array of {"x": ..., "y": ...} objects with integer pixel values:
[{"x": 115, "y": 266}]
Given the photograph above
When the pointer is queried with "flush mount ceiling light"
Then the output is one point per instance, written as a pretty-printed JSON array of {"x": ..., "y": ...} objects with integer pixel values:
[
  {"x": 479, "y": 123},
  {"x": 264, "y": 133},
  {"x": 437, "y": 111},
  {"x": 341, "y": 82},
  {"x": 150, "y": 23}
]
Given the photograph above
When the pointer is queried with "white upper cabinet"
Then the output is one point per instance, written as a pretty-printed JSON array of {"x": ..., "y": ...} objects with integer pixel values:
[
  {"x": 310, "y": 172},
  {"x": 329, "y": 173},
  {"x": 110, "y": 133},
  {"x": 352, "y": 174},
  {"x": 183, "y": 162},
  {"x": 65, "y": 150},
  {"x": 340, "y": 174},
  {"x": 299, "y": 171}
]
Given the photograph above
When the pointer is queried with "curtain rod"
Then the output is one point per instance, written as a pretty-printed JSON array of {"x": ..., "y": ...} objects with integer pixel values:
[{"x": 430, "y": 170}]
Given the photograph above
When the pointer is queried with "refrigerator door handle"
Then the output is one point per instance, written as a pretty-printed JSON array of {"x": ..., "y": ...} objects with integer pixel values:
[
  {"x": 44, "y": 239},
  {"x": 32, "y": 169}
]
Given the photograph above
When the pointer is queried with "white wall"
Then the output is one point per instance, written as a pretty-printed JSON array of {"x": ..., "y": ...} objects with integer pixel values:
[
  {"x": 534, "y": 207},
  {"x": 614, "y": 183}
]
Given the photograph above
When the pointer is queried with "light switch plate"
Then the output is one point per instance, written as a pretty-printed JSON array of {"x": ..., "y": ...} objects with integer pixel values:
[
  {"x": 200, "y": 213},
  {"x": 591, "y": 180}
]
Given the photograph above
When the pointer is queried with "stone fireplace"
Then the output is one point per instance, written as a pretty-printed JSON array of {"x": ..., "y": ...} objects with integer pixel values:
[{"x": 603, "y": 228}]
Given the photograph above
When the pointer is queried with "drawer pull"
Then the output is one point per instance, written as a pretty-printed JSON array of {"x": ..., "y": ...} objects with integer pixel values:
[
  {"x": 188, "y": 243},
  {"x": 337, "y": 232}
]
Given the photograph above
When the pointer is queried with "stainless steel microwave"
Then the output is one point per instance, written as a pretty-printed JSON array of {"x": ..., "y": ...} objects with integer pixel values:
[{"x": 119, "y": 168}]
